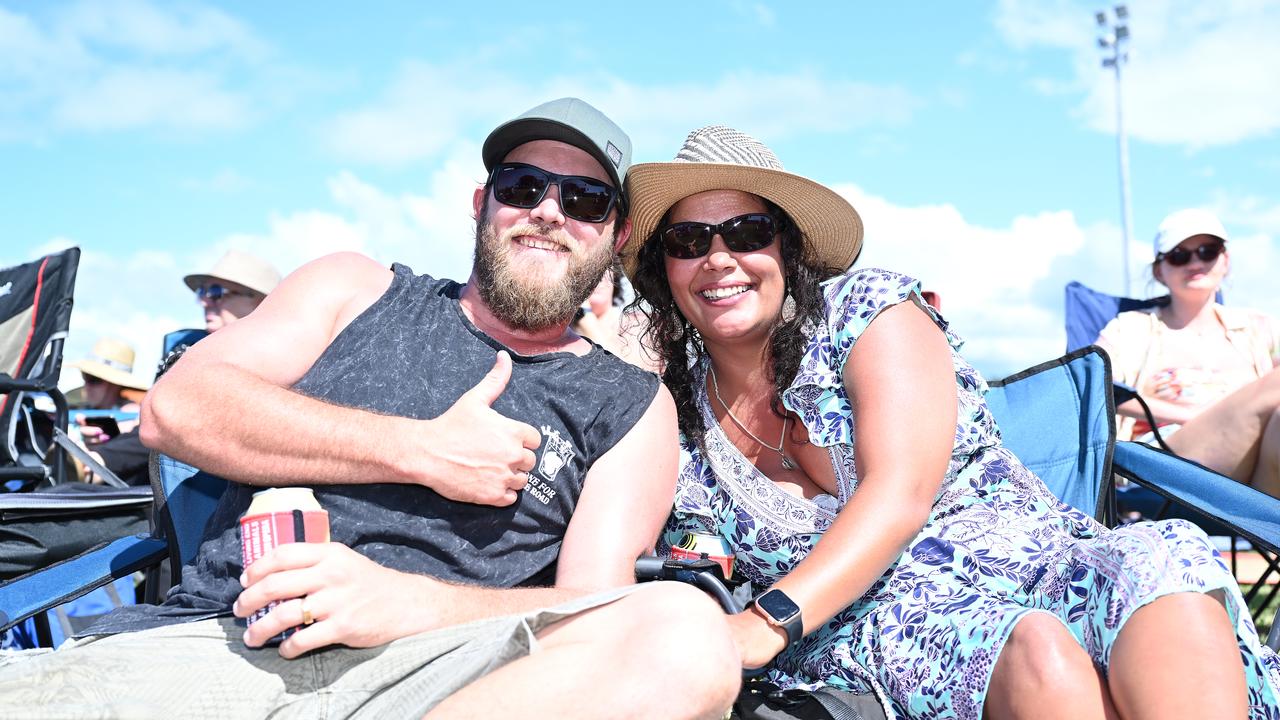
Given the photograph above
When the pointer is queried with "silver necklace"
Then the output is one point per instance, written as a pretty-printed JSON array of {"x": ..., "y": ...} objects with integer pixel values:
[{"x": 787, "y": 463}]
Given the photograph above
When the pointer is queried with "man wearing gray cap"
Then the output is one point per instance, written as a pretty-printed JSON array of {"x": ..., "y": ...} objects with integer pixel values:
[{"x": 490, "y": 478}]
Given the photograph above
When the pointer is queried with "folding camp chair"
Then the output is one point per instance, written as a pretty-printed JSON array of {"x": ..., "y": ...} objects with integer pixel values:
[
  {"x": 1087, "y": 313},
  {"x": 1059, "y": 419},
  {"x": 35, "y": 312},
  {"x": 184, "y": 500}
]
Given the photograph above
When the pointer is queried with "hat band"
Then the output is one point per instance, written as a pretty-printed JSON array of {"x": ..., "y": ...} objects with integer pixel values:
[{"x": 114, "y": 364}]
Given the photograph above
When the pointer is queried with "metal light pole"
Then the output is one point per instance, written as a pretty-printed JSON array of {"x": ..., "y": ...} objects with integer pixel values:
[{"x": 1115, "y": 37}]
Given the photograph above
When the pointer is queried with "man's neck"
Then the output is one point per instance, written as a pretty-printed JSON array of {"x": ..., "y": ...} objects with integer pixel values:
[{"x": 525, "y": 342}]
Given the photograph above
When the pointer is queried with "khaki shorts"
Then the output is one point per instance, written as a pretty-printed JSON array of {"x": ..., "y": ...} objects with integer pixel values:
[{"x": 203, "y": 670}]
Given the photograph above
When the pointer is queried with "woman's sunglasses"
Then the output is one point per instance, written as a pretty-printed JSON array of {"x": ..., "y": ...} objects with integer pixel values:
[
  {"x": 1179, "y": 256},
  {"x": 744, "y": 233},
  {"x": 214, "y": 292},
  {"x": 524, "y": 186}
]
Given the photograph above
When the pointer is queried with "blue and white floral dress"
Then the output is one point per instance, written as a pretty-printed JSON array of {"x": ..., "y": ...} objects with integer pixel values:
[{"x": 997, "y": 544}]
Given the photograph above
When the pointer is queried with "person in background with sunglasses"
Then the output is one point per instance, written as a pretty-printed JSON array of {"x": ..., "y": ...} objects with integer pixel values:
[
  {"x": 237, "y": 284},
  {"x": 490, "y": 479},
  {"x": 1206, "y": 370},
  {"x": 834, "y": 436}
]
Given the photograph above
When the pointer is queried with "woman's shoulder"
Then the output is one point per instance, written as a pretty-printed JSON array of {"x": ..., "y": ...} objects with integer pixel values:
[
  {"x": 1132, "y": 321},
  {"x": 867, "y": 286}
]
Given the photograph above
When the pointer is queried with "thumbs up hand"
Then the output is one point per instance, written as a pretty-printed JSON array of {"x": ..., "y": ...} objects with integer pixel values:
[{"x": 477, "y": 454}]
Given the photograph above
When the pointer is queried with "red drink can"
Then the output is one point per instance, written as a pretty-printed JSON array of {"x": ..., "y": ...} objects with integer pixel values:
[
  {"x": 705, "y": 546},
  {"x": 277, "y": 516}
]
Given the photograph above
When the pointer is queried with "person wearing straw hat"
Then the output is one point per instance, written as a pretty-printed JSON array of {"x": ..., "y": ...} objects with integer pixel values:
[
  {"x": 109, "y": 381},
  {"x": 832, "y": 433},
  {"x": 490, "y": 479},
  {"x": 1206, "y": 370},
  {"x": 237, "y": 284}
]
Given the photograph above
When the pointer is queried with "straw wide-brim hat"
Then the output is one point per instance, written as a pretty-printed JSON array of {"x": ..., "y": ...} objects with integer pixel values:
[
  {"x": 721, "y": 158},
  {"x": 241, "y": 268},
  {"x": 112, "y": 360}
]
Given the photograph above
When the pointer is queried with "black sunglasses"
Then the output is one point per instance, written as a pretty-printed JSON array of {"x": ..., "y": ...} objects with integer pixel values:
[
  {"x": 581, "y": 198},
  {"x": 744, "y": 233},
  {"x": 214, "y": 292},
  {"x": 1177, "y": 257}
]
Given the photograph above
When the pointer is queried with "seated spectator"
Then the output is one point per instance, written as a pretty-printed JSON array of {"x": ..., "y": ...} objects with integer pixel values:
[
  {"x": 603, "y": 321},
  {"x": 835, "y": 437},
  {"x": 236, "y": 285},
  {"x": 1206, "y": 370},
  {"x": 490, "y": 479},
  {"x": 110, "y": 384}
]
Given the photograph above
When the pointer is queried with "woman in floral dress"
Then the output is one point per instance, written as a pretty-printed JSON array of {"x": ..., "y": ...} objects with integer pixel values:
[{"x": 832, "y": 433}]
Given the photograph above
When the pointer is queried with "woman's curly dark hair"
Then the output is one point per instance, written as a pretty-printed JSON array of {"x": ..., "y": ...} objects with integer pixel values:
[{"x": 672, "y": 337}]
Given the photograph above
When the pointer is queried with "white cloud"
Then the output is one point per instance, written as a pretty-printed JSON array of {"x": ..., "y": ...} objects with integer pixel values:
[
  {"x": 126, "y": 64},
  {"x": 1200, "y": 74},
  {"x": 426, "y": 107}
]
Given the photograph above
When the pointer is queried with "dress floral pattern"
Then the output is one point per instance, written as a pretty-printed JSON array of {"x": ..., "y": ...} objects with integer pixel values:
[{"x": 997, "y": 544}]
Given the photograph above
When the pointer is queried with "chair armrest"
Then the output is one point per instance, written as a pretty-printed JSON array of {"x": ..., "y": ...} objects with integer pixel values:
[
  {"x": 1253, "y": 514},
  {"x": 64, "y": 581}
]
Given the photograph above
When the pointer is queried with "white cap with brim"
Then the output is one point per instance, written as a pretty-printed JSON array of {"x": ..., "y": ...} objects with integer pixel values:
[
  {"x": 241, "y": 268},
  {"x": 1182, "y": 224},
  {"x": 111, "y": 360}
]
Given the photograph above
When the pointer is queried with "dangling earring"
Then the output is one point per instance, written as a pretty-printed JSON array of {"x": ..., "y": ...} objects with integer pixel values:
[{"x": 788, "y": 306}]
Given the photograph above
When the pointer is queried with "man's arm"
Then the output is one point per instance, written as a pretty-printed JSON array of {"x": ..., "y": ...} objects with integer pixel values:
[
  {"x": 226, "y": 407},
  {"x": 626, "y": 498}
]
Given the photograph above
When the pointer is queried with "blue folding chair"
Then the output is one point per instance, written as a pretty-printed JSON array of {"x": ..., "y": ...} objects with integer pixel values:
[
  {"x": 1059, "y": 419},
  {"x": 184, "y": 500}
]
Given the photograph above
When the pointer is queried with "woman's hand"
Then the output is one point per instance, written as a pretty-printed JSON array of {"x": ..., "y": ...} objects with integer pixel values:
[
  {"x": 758, "y": 642},
  {"x": 1165, "y": 385}
]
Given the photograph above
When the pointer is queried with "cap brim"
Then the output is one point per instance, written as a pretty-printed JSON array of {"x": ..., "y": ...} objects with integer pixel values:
[{"x": 831, "y": 225}]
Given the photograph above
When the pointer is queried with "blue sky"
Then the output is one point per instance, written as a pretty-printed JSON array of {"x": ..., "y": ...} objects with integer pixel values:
[{"x": 976, "y": 139}]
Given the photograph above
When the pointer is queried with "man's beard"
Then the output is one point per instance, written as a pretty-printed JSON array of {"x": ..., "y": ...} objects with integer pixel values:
[{"x": 525, "y": 300}]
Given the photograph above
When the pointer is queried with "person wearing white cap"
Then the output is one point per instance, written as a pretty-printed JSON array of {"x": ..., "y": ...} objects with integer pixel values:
[
  {"x": 490, "y": 478},
  {"x": 233, "y": 288},
  {"x": 835, "y": 437},
  {"x": 1206, "y": 370}
]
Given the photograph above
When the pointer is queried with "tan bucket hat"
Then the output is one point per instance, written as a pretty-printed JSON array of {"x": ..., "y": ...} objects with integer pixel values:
[
  {"x": 112, "y": 360},
  {"x": 241, "y": 268},
  {"x": 721, "y": 158}
]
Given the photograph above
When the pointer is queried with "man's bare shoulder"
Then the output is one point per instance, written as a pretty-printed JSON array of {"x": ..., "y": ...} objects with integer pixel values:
[{"x": 347, "y": 282}]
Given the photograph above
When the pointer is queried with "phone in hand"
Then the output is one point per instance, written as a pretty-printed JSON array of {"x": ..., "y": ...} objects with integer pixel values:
[{"x": 107, "y": 423}]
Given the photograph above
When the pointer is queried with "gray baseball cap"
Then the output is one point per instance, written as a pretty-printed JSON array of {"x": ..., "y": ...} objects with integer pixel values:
[{"x": 571, "y": 121}]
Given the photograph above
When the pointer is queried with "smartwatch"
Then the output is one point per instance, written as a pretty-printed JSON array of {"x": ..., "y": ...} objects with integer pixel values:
[{"x": 781, "y": 611}]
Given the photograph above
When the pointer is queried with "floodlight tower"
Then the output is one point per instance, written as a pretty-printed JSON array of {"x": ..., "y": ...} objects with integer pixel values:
[{"x": 1113, "y": 36}]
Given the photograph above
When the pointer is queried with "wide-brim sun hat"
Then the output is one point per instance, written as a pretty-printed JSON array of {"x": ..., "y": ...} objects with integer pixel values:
[
  {"x": 239, "y": 267},
  {"x": 111, "y": 360},
  {"x": 1182, "y": 224},
  {"x": 721, "y": 158}
]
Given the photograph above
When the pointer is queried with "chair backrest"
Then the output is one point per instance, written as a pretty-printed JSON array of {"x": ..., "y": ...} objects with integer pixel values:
[
  {"x": 1058, "y": 418},
  {"x": 35, "y": 312},
  {"x": 185, "y": 499},
  {"x": 1088, "y": 311}
]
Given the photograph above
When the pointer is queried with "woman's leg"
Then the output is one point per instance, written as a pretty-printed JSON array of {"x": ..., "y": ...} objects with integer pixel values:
[
  {"x": 1266, "y": 472},
  {"x": 1176, "y": 657},
  {"x": 1230, "y": 435},
  {"x": 1042, "y": 672}
]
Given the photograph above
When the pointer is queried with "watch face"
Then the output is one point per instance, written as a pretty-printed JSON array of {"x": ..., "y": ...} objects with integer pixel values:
[{"x": 777, "y": 605}]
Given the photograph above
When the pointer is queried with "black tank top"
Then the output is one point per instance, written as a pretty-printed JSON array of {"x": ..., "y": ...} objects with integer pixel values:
[{"x": 413, "y": 353}]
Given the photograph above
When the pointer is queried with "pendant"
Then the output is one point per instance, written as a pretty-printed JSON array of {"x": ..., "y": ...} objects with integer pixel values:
[{"x": 787, "y": 463}]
